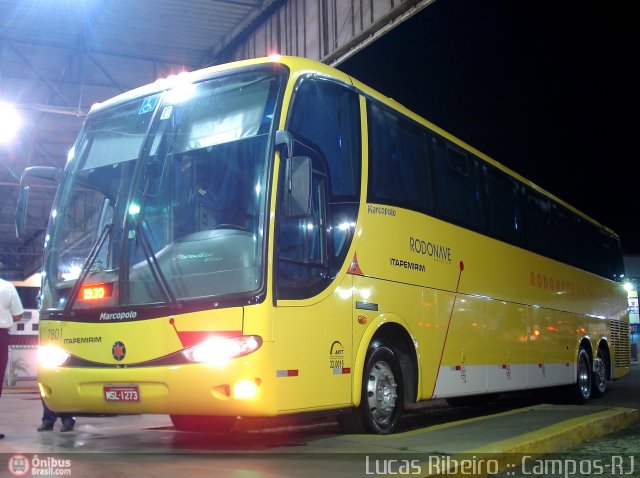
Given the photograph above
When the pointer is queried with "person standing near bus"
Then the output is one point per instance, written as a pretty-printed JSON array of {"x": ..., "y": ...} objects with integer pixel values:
[
  {"x": 49, "y": 418},
  {"x": 10, "y": 311}
]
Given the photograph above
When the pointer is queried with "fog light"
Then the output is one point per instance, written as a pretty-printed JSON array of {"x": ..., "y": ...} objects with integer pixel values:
[{"x": 245, "y": 389}]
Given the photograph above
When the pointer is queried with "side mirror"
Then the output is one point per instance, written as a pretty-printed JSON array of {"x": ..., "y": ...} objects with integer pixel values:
[
  {"x": 297, "y": 195},
  {"x": 21, "y": 212},
  {"x": 41, "y": 172}
]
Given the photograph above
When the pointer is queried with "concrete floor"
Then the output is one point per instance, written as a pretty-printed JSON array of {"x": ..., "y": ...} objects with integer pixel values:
[{"x": 148, "y": 446}]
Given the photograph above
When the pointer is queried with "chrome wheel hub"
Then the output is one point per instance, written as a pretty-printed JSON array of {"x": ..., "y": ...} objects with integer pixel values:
[
  {"x": 381, "y": 392},
  {"x": 600, "y": 374},
  {"x": 583, "y": 378}
]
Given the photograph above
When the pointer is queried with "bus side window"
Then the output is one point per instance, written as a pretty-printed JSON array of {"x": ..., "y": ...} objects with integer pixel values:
[
  {"x": 537, "y": 222},
  {"x": 563, "y": 233},
  {"x": 325, "y": 121},
  {"x": 457, "y": 185},
  {"x": 302, "y": 247},
  {"x": 399, "y": 161},
  {"x": 502, "y": 205}
]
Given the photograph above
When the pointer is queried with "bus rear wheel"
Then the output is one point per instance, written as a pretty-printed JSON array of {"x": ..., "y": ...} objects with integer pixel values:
[
  {"x": 202, "y": 423},
  {"x": 600, "y": 365},
  {"x": 583, "y": 386}
]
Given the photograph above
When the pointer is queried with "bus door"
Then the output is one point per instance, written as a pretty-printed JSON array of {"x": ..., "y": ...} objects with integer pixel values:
[
  {"x": 312, "y": 323},
  {"x": 313, "y": 319}
]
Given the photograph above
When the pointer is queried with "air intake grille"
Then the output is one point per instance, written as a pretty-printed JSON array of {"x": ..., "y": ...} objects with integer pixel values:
[{"x": 620, "y": 343}]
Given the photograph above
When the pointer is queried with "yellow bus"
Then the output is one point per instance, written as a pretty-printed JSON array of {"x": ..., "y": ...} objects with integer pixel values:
[{"x": 273, "y": 237}]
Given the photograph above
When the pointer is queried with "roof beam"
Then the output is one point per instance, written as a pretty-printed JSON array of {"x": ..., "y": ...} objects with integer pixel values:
[
  {"x": 393, "y": 18},
  {"x": 66, "y": 46},
  {"x": 240, "y": 31},
  {"x": 44, "y": 79},
  {"x": 106, "y": 73},
  {"x": 58, "y": 110}
]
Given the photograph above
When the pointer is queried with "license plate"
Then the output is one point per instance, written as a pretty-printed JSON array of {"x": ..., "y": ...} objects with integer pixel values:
[{"x": 121, "y": 393}]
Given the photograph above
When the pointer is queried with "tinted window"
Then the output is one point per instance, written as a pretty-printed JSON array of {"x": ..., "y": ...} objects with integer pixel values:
[
  {"x": 614, "y": 257},
  {"x": 325, "y": 122},
  {"x": 457, "y": 185},
  {"x": 398, "y": 157},
  {"x": 302, "y": 244},
  {"x": 537, "y": 222},
  {"x": 562, "y": 237},
  {"x": 502, "y": 211},
  {"x": 326, "y": 116}
]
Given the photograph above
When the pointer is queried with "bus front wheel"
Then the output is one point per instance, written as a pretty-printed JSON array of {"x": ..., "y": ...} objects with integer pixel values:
[
  {"x": 382, "y": 394},
  {"x": 202, "y": 423}
]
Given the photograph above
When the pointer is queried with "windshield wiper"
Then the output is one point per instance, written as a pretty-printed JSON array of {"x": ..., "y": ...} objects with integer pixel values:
[
  {"x": 86, "y": 268},
  {"x": 165, "y": 289}
]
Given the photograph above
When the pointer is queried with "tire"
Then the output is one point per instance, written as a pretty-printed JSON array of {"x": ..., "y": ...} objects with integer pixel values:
[
  {"x": 599, "y": 379},
  {"x": 584, "y": 378},
  {"x": 202, "y": 423},
  {"x": 382, "y": 395}
]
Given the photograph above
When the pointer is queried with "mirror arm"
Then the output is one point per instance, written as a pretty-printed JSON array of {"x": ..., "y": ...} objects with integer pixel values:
[{"x": 284, "y": 138}]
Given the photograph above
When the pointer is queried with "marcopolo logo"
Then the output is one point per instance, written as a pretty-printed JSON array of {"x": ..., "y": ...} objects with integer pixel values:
[
  {"x": 130, "y": 314},
  {"x": 118, "y": 350}
]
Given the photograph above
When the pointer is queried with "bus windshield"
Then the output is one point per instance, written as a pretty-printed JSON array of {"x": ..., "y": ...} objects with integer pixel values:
[{"x": 164, "y": 197}]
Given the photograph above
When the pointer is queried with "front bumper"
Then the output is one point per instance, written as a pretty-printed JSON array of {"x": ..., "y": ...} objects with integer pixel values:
[{"x": 189, "y": 389}]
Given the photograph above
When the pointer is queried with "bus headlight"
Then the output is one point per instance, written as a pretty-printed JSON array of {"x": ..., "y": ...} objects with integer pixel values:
[
  {"x": 51, "y": 356},
  {"x": 219, "y": 350}
]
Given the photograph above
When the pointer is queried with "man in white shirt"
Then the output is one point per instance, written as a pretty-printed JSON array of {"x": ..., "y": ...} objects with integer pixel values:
[{"x": 10, "y": 311}]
